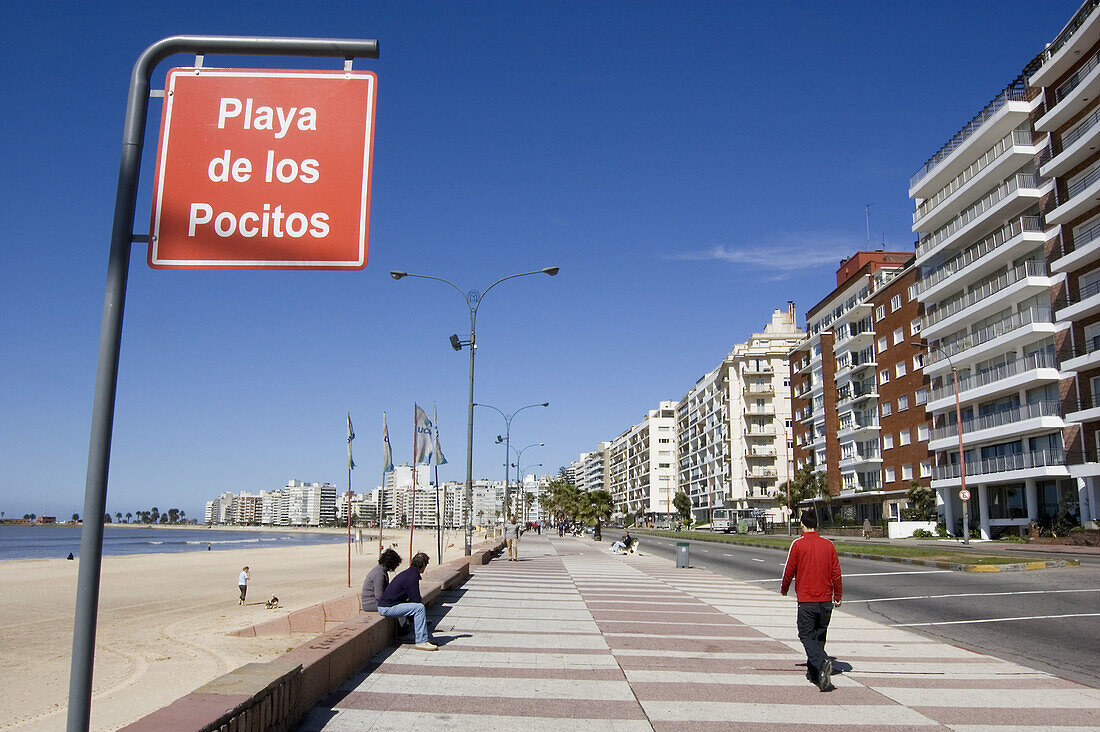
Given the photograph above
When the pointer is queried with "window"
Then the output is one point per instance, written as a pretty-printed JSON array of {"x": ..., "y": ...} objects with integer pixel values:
[
  {"x": 884, "y": 376},
  {"x": 888, "y": 441},
  {"x": 914, "y": 326},
  {"x": 895, "y": 303},
  {"x": 906, "y": 472},
  {"x": 899, "y": 336},
  {"x": 926, "y": 468},
  {"x": 922, "y": 432},
  {"x": 663, "y": 440},
  {"x": 880, "y": 313},
  {"x": 918, "y": 361},
  {"x": 899, "y": 370},
  {"x": 903, "y": 403},
  {"x": 886, "y": 409},
  {"x": 912, "y": 292},
  {"x": 903, "y": 437},
  {"x": 664, "y": 465},
  {"x": 889, "y": 475},
  {"x": 882, "y": 344},
  {"x": 920, "y": 396}
]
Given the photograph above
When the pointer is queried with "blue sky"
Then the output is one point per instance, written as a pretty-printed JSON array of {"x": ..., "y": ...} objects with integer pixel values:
[{"x": 689, "y": 166}]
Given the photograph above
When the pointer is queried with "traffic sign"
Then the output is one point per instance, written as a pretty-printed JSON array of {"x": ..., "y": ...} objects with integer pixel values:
[
  {"x": 263, "y": 169},
  {"x": 964, "y": 495}
]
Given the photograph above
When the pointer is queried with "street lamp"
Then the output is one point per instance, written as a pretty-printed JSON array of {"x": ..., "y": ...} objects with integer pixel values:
[
  {"x": 962, "y": 456},
  {"x": 473, "y": 301},
  {"x": 523, "y": 471},
  {"x": 507, "y": 441}
]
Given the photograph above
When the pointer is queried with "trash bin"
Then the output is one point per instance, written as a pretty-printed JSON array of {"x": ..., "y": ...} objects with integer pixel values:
[{"x": 683, "y": 555}]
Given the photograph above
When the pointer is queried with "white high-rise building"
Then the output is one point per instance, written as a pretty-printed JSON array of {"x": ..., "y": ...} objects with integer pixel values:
[{"x": 642, "y": 469}]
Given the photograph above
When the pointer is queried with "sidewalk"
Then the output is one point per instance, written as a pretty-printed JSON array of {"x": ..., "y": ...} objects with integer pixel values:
[{"x": 573, "y": 638}]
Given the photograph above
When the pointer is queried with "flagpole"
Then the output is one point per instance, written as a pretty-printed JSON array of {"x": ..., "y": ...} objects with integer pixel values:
[
  {"x": 435, "y": 459},
  {"x": 382, "y": 489},
  {"x": 412, "y": 511},
  {"x": 349, "y": 527}
]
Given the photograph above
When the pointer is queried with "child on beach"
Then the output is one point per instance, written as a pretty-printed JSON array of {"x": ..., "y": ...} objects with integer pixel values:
[{"x": 242, "y": 582}]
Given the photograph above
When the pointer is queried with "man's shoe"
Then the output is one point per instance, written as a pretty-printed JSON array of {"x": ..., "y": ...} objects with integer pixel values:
[
  {"x": 426, "y": 646},
  {"x": 824, "y": 678}
]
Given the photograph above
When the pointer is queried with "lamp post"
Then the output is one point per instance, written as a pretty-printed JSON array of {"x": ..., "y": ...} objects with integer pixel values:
[
  {"x": 473, "y": 301},
  {"x": 519, "y": 472},
  {"x": 507, "y": 444},
  {"x": 962, "y": 455},
  {"x": 523, "y": 471}
]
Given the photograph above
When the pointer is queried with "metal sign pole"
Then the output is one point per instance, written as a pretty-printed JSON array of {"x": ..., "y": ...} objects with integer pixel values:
[{"x": 110, "y": 338}]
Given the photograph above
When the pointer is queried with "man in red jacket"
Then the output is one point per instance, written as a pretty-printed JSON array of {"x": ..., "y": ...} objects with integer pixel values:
[{"x": 813, "y": 561}]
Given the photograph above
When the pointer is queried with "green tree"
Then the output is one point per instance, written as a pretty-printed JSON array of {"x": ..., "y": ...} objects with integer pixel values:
[
  {"x": 75, "y": 518},
  {"x": 107, "y": 517},
  {"x": 804, "y": 485},
  {"x": 923, "y": 501},
  {"x": 595, "y": 507},
  {"x": 174, "y": 515},
  {"x": 118, "y": 516},
  {"x": 129, "y": 516},
  {"x": 682, "y": 504},
  {"x": 154, "y": 514}
]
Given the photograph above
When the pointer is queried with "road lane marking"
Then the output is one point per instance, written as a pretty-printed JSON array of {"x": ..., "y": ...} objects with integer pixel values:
[
  {"x": 972, "y": 594},
  {"x": 995, "y": 620},
  {"x": 875, "y": 574},
  {"x": 726, "y": 555},
  {"x": 756, "y": 560}
]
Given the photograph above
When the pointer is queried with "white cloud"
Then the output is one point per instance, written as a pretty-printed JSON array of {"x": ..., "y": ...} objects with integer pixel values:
[{"x": 788, "y": 253}]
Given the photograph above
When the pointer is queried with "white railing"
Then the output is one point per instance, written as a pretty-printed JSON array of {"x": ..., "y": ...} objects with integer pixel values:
[
  {"x": 1040, "y": 360},
  {"x": 1000, "y": 419},
  {"x": 1076, "y": 78},
  {"x": 1030, "y": 268},
  {"x": 972, "y": 254},
  {"x": 1080, "y": 184},
  {"x": 1016, "y": 137},
  {"x": 977, "y": 210},
  {"x": 1002, "y": 464},
  {"x": 988, "y": 333}
]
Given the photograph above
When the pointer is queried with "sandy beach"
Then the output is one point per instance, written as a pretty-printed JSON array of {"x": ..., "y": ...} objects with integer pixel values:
[{"x": 162, "y": 624}]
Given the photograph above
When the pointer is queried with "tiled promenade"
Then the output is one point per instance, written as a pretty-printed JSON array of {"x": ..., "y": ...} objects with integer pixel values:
[{"x": 573, "y": 638}]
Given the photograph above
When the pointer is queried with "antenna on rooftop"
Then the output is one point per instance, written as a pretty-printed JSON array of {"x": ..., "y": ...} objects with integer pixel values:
[{"x": 867, "y": 208}]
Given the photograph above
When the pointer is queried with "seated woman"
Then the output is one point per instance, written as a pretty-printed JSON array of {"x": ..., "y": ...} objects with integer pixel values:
[{"x": 377, "y": 580}]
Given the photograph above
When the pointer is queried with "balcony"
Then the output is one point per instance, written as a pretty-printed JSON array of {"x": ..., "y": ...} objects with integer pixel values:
[
  {"x": 1087, "y": 410},
  {"x": 1016, "y": 326},
  {"x": 1082, "y": 195},
  {"x": 1083, "y": 304},
  {"x": 1076, "y": 145},
  {"x": 1010, "y": 198},
  {"x": 985, "y": 256},
  {"x": 751, "y": 368},
  {"x": 757, "y": 411},
  {"x": 857, "y": 458},
  {"x": 1086, "y": 356},
  {"x": 1005, "y": 112},
  {"x": 764, "y": 389},
  {"x": 1072, "y": 96},
  {"x": 767, "y": 433},
  {"x": 1076, "y": 254},
  {"x": 1010, "y": 153},
  {"x": 1032, "y": 273},
  {"x": 1038, "y": 417},
  {"x": 1037, "y": 463},
  {"x": 761, "y": 473},
  {"x": 1079, "y": 35},
  {"x": 760, "y": 452},
  {"x": 1036, "y": 368}
]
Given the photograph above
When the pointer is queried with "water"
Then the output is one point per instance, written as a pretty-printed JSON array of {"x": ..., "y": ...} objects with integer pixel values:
[{"x": 36, "y": 542}]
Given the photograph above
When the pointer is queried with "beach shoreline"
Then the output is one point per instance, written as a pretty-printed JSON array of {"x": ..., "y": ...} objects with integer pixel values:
[{"x": 163, "y": 621}]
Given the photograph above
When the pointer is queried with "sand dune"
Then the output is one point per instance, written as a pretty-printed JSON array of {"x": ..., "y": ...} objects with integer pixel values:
[{"x": 162, "y": 623}]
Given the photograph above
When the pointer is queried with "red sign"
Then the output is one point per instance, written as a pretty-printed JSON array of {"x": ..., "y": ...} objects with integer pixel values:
[
  {"x": 263, "y": 169},
  {"x": 964, "y": 495}
]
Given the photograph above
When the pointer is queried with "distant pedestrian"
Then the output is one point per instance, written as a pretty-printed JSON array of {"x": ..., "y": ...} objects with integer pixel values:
[
  {"x": 242, "y": 582},
  {"x": 813, "y": 564},
  {"x": 377, "y": 580},
  {"x": 538, "y": 528},
  {"x": 512, "y": 531},
  {"x": 402, "y": 599}
]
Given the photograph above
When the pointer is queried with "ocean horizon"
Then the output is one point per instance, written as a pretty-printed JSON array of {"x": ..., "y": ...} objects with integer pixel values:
[{"x": 42, "y": 542}]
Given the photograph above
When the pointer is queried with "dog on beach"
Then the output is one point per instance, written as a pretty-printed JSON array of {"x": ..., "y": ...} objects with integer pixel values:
[{"x": 272, "y": 603}]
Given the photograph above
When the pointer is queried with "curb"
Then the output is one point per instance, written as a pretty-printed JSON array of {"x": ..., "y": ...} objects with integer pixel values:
[{"x": 1017, "y": 567}]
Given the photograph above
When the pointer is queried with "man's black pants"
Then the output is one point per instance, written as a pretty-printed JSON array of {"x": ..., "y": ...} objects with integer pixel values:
[{"x": 813, "y": 625}]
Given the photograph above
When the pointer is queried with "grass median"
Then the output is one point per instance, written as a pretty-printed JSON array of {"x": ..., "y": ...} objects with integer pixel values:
[{"x": 928, "y": 554}]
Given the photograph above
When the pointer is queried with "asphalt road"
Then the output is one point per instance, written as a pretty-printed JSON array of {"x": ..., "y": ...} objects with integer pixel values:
[{"x": 1046, "y": 619}]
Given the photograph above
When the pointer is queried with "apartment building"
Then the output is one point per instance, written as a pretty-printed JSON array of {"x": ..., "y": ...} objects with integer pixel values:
[
  {"x": 986, "y": 289},
  {"x": 760, "y": 417},
  {"x": 835, "y": 386},
  {"x": 642, "y": 471},
  {"x": 703, "y": 430},
  {"x": 1066, "y": 77}
]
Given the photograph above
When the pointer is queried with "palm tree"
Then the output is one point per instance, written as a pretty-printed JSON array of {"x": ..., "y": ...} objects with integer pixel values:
[
  {"x": 173, "y": 515},
  {"x": 154, "y": 514},
  {"x": 528, "y": 499},
  {"x": 182, "y": 514},
  {"x": 118, "y": 517},
  {"x": 597, "y": 506},
  {"x": 129, "y": 516}
]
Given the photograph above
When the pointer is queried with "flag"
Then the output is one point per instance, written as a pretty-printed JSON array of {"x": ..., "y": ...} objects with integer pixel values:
[
  {"x": 439, "y": 458},
  {"x": 351, "y": 436},
  {"x": 422, "y": 444},
  {"x": 387, "y": 454}
]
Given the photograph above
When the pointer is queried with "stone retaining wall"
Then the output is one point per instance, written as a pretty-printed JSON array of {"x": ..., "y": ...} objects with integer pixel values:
[{"x": 275, "y": 695}]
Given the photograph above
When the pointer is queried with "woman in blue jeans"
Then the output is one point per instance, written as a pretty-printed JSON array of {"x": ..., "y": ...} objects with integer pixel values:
[{"x": 401, "y": 598}]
